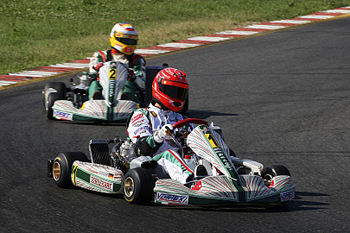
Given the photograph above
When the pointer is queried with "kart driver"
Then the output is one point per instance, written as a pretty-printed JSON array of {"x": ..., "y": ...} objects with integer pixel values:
[
  {"x": 148, "y": 127},
  {"x": 123, "y": 39}
]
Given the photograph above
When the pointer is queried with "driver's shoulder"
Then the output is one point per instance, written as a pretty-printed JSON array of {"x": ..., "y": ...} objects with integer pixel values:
[{"x": 139, "y": 115}]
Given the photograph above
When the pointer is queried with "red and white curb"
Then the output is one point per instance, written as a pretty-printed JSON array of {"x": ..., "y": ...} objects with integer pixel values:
[{"x": 47, "y": 71}]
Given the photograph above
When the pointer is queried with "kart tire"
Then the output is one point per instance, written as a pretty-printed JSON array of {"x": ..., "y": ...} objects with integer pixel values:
[
  {"x": 51, "y": 97},
  {"x": 60, "y": 87},
  {"x": 62, "y": 168},
  {"x": 272, "y": 171},
  {"x": 138, "y": 186}
]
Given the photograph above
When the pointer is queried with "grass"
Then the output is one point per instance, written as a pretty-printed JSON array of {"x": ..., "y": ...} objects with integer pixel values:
[{"x": 42, "y": 32}]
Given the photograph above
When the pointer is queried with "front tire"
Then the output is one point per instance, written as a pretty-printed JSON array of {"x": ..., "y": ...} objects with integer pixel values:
[
  {"x": 138, "y": 186},
  {"x": 50, "y": 96},
  {"x": 272, "y": 171},
  {"x": 62, "y": 168}
]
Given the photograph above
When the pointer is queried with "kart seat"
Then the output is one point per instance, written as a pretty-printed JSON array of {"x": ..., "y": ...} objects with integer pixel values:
[{"x": 203, "y": 169}]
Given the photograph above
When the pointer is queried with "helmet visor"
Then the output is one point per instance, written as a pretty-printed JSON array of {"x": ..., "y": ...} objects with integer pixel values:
[
  {"x": 127, "y": 41},
  {"x": 174, "y": 91}
]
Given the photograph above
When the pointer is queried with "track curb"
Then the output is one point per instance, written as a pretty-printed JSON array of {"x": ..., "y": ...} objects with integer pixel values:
[{"x": 71, "y": 67}]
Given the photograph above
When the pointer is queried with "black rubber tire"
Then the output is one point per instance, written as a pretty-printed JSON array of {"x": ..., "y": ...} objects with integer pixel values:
[
  {"x": 138, "y": 186},
  {"x": 272, "y": 171},
  {"x": 62, "y": 168},
  {"x": 60, "y": 87},
  {"x": 50, "y": 98}
]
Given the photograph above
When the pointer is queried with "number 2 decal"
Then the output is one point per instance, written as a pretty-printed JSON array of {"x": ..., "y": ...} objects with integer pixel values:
[
  {"x": 212, "y": 140},
  {"x": 113, "y": 73}
]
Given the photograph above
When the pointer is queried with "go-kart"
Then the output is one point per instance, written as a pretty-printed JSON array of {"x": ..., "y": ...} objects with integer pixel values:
[
  {"x": 219, "y": 178},
  {"x": 73, "y": 104}
]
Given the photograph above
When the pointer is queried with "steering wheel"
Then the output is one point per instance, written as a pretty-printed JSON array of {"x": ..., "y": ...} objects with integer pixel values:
[
  {"x": 181, "y": 123},
  {"x": 189, "y": 121}
]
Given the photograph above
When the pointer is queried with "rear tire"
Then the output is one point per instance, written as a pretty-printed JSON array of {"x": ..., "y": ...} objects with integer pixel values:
[
  {"x": 138, "y": 186},
  {"x": 272, "y": 171},
  {"x": 62, "y": 168}
]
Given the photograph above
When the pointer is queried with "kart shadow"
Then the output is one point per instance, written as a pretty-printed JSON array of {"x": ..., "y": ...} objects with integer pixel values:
[
  {"x": 98, "y": 123},
  {"x": 298, "y": 204},
  {"x": 203, "y": 114}
]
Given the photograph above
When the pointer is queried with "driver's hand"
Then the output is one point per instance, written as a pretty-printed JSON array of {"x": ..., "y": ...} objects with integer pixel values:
[
  {"x": 98, "y": 66},
  {"x": 164, "y": 133},
  {"x": 131, "y": 75}
]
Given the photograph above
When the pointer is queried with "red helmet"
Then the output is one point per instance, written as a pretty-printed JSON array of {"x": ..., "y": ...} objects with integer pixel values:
[{"x": 170, "y": 88}]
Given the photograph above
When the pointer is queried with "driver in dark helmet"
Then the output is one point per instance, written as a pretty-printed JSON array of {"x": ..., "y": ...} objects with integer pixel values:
[{"x": 148, "y": 127}]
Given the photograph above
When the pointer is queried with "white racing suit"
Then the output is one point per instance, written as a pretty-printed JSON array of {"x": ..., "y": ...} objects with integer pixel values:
[
  {"x": 141, "y": 127},
  {"x": 135, "y": 62}
]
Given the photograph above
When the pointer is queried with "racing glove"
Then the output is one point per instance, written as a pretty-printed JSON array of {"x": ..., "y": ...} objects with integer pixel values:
[
  {"x": 163, "y": 133},
  {"x": 98, "y": 66},
  {"x": 132, "y": 75}
]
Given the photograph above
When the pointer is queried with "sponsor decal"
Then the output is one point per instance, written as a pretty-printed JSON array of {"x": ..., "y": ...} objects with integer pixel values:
[
  {"x": 135, "y": 118},
  {"x": 141, "y": 130},
  {"x": 63, "y": 115},
  {"x": 139, "y": 122},
  {"x": 287, "y": 196},
  {"x": 101, "y": 183},
  {"x": 172, "y": 198},
  {"x": 154, "y": 114},
  {"x": 129, "y": 49},
  {"x": 106, "y": 174}
]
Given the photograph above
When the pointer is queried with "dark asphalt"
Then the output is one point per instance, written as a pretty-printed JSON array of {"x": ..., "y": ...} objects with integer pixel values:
[{"x": 280, "y": 98}]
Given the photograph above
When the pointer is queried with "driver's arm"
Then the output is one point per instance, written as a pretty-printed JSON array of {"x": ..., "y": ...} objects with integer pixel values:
[{"x": 148, "y": 146}]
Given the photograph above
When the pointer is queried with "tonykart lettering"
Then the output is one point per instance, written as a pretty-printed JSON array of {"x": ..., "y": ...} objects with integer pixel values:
[
  {"x": 101, "y": 183},
  {"x": 223, "y": 158},
  {"x": 111, "y": 87},
  {"x": 63, "y": 115},
  {"x": 172, "y": 198},
  {"x": 287, "y": 196}
]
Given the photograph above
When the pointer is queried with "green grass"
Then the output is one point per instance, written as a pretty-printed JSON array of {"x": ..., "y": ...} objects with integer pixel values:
[{"x": 41, "y": 32}]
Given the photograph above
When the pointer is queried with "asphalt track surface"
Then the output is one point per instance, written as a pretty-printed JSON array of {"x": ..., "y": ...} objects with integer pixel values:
[{"x": 281, "y": 98}]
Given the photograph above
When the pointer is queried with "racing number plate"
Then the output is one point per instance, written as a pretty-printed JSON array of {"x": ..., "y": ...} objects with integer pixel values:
[
  {"x": 113, "y": 73},
  {"x": 212, "y": 140}
]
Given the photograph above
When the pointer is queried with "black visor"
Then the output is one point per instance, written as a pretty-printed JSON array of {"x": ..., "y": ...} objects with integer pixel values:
[
  {"x": 173, "y": 91},
  {"x": 127, "y": 41}
]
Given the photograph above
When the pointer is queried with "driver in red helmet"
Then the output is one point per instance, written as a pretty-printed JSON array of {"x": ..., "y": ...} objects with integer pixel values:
[{"x": 148, "y": 127}]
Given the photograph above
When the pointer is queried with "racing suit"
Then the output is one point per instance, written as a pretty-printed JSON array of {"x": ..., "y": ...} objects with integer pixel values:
[
  {"x": 141, "y": 128},
  {"x": 134, "y": 61}
]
